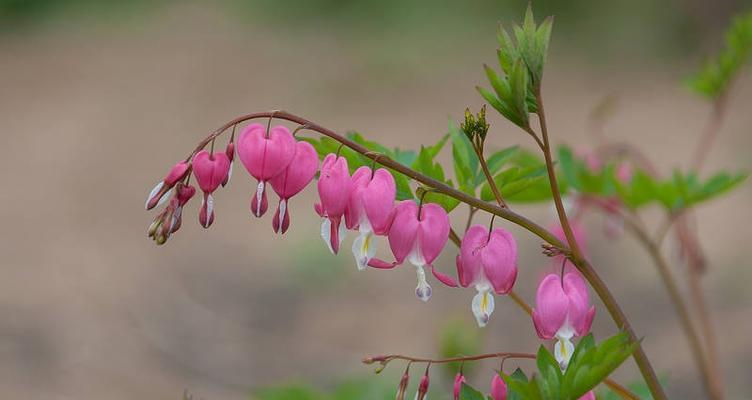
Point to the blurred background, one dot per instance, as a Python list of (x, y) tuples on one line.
[(99, 98)]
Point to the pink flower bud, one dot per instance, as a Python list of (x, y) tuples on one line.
[(369, 210), (498, 388), (264, 156), (298, 174), (230, 152), (459, 379), (403, 385), (488, 261), (176, 173), (422, 387), (334, 188)]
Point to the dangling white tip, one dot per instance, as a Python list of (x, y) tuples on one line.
[(326, 233), (423, 290), (259, 194)]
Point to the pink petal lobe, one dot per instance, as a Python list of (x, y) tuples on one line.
[(378, 200), (551, 306), (499, 259), (334, 186), (433, 232), (404, 229), (210, 169), (473, 242), (298, 174)]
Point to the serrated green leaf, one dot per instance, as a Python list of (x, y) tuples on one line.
[(467, 392)]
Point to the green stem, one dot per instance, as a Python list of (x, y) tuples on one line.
[(646, 369)]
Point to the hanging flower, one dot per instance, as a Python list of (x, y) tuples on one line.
[(210, 171), (562, 311), (369, 210), (487, 261), (298, 174), (334, 188), (264, 155)]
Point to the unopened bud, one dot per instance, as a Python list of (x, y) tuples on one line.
[(422, 388), (403, 384)]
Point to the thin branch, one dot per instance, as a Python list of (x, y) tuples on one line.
[(646, 369), (708, 374), (582, 264), (489, 178)]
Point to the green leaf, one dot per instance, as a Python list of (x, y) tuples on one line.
[(517, 385), (591, 364), (499, 158), (550, 378), (714, 78), (467, 392), (569, 168)]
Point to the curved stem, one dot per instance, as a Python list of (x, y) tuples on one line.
[(583, 265), (388, 358), (489, 178), (646, 369), (708, 374)]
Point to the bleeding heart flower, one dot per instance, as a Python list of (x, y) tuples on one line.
[(418, 234), (498, 388), (334, 188), (292, 180), (487, 260), (562, 310), (264, 156), (210, 171), (369, 210), (157, 194), (459, 379)]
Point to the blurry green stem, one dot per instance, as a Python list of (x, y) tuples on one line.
[(646, 369)]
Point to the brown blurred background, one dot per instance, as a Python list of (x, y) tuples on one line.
[(98, 99)]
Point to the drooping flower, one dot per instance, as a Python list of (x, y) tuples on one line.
[(459, 379), (498, 388), (487, 261), (157, 194), (562, 311), (369, 210), (298, 174), (418, 234), (334, 188), (210, 171), (264, 156), (183, 193)]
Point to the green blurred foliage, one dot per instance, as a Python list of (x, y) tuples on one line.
[(718, 73), (458, 339), (608, 30)]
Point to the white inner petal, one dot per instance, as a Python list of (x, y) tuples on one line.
[(423, 290), (563, 349), (153, 193), (364, 249), (483, 304), (282, 209), (259, 194), (342, 233), (416, 256), (209, 206), (326, 233)]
